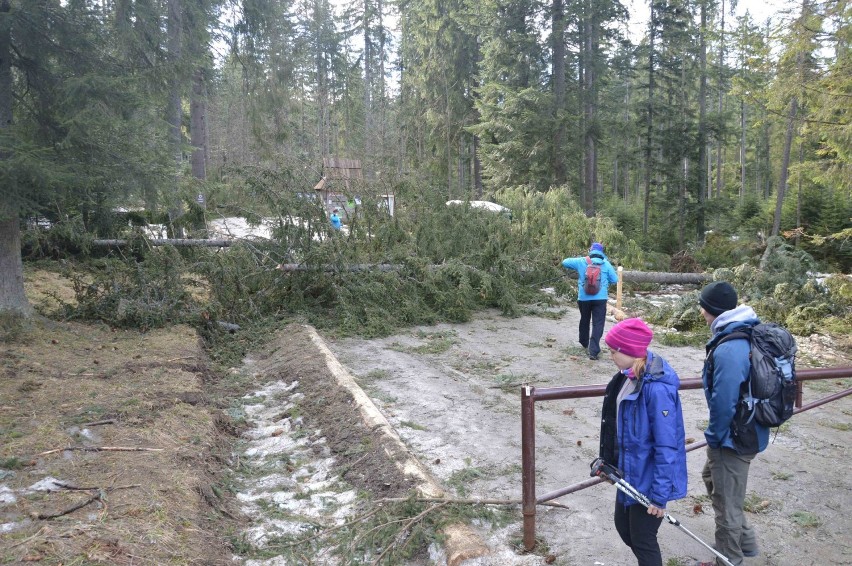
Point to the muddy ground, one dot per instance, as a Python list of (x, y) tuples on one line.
[(453, 394)]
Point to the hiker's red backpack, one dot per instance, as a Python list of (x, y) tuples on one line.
[(592, 282)]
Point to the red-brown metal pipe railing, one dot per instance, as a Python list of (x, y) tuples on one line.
[(529, 395)]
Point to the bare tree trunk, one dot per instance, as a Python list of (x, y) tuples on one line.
[(799, 190), (321, 80), (721, 141), (368, 85), (558, 39), (12, 295), (381, 82), (702, 125), (477, 168), (742, 150), (788, 137), (173, 25), (785, 165), (650, 128), (198, 138), (198, 125), (5, 71), (589, 111)]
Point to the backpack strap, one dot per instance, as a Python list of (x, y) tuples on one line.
[(744, 334)]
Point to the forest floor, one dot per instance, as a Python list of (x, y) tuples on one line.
[(171, 464)]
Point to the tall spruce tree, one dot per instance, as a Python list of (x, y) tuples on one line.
[(70, 138)]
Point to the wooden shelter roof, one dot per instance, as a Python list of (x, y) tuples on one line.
[(339, 169)]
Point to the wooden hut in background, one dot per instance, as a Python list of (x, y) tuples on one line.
[(342, 181)]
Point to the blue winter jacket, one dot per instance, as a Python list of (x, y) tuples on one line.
[(651, 441), (731, 366), (608, 274)]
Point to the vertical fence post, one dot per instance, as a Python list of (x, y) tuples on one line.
[(618, 287), (528, 464)]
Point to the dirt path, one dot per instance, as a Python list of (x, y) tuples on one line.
[(452, 393)]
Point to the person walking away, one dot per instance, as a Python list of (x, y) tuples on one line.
[(335, 219), (642, 433), (732, 443), (591, 299)]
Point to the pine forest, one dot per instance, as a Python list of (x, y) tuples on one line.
[(702, 139)]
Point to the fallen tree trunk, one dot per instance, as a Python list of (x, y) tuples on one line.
[(179, 242), (665, 277), (631, 276)]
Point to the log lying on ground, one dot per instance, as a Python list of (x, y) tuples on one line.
[(631, 276), (384, 267), (179, 242), (665, 277)]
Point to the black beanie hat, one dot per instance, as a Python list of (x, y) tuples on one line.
[(718, 297)]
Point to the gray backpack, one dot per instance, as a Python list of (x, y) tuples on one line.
[(770, 391)]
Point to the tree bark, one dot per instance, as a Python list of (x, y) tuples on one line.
[(590, 165), (12, 295), (720, 143), (742, 149), (5, 69), (477, 168), (174, 112), (702, 123), (177, 242), (650, 128), (198, 125), (785, 165), (368, 86), (558, 40)]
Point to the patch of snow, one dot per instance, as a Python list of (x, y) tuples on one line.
[(47, 485), (482, 204), (7, 496), (9, 527), (299, 480), (236, 227)]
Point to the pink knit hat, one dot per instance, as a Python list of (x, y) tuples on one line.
[(630, 336)]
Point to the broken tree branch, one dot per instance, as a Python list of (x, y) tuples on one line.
[(98, 423), (101, 449), (97, 497), (404, 529), (77, 488), (472, 501)]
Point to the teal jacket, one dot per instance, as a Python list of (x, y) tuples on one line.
[(608, 274)]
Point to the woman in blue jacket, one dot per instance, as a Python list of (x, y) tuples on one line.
[(642, 434), (592, 307)]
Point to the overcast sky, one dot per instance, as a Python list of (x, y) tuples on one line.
[(759, 10)]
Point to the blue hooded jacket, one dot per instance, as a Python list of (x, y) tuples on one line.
[(650, 443), (608, 274), (731, 366)]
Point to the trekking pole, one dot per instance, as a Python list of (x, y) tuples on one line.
[(614, 475)]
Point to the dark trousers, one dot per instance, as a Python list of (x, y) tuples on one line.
[(594, 311), (638, 530)]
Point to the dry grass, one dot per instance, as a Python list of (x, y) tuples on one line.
[(147, 390)]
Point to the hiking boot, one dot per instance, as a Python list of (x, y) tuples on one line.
[(591, 357), (751, 553)]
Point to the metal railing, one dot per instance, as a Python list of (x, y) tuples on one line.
[(529, 395)]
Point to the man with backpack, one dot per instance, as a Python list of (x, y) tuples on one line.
[(733, 439), (596, 274)]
